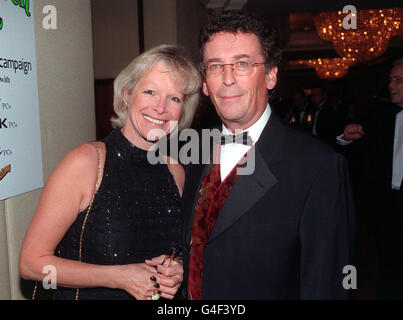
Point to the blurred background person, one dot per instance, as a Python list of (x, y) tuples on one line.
[(384, 137), (326, 122), (302, 109)]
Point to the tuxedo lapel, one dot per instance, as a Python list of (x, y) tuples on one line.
[(248, 189)]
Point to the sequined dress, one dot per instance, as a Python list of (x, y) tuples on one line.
[(135, 216)]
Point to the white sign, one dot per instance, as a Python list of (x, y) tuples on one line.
[(20, 140)]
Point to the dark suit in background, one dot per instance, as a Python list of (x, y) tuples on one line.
[(329, 124), (386, 205)]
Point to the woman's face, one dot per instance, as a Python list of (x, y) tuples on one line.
[(154, 107)]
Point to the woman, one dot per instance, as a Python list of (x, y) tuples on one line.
[(114, 242)]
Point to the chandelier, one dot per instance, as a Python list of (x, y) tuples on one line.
[(369, 40), (330, 69)]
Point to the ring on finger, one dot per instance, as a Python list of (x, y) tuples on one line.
[(155, 295)]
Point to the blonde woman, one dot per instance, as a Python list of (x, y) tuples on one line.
[(115, 243)]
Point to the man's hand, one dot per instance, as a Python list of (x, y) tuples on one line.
[(353, 132)]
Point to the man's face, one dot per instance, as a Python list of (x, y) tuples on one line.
[(396, 85), (239, 100), (317, 96)]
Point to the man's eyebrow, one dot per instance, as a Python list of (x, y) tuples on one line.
[(241, 56), (213, 60), (236, 57)]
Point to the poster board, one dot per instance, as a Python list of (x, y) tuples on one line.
[(20, 140)]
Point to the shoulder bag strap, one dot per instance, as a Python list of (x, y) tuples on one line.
[(84, 222), (88, 211)]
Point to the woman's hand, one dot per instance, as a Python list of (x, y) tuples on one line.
[(137, 280), (170, 274)]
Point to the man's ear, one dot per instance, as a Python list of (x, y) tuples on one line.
[(205, 89), (271, 78)]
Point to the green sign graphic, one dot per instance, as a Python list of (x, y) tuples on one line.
[(24, 4)]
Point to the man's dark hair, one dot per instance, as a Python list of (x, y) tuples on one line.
[(239, 21), (398, 62)]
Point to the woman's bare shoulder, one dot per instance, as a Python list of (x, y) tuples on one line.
[(85, 156), (79, 165), (75, 175)]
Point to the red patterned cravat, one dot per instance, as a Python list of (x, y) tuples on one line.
[(211, 198)]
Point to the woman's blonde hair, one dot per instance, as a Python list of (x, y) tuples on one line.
[(181, 68)]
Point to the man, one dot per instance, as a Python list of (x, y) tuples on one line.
[(384, 137), (301, 110), (284, 231), (326, 121)]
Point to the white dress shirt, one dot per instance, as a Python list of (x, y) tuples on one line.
[(397, 173), (231, 153)]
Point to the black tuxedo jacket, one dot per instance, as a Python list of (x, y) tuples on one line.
[(385, 205), (286, 231), (380, 139)]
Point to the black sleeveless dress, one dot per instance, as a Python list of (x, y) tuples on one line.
[(135, 216)]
